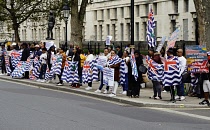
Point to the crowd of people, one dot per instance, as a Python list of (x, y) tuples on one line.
[(167, 70)]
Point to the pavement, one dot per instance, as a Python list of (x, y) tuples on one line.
[(27, 107), (143, 101)]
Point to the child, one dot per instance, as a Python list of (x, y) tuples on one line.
[(43, 59)]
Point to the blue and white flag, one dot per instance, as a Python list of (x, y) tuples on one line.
[(133, 65), (15, 57), (56, 67), (194, 79), (7, 65), (155, 70), (122, 72), (20, 69), (70, 72), (171, 76), (150, 30), (90, 71)]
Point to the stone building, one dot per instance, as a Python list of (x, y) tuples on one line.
[(112, 17)]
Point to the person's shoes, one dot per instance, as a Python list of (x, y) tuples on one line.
[(152, 97), (77, 86), (38, 80), (42, 80), (98, 91), (88, 88), (172, 100), (59, 84), (124, 92), (158, 98), (164, 91), (177, 98), (182, 98), (120, 92), (112, 95), (204, 102), (105, 92)]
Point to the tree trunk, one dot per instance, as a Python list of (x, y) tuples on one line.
[(203, 15), (15, 28), (77, 19)]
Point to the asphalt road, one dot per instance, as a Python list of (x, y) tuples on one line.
[(29, 108)]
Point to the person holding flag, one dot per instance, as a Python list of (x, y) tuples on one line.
[(171, 75), (63, 55)]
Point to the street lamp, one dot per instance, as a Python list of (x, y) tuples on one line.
[(66, 11)]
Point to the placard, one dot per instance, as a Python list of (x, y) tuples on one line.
[(161, 44), (101, 62), (108, 76), (108, 40), (197, 58)]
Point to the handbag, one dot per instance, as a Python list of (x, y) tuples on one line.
[(145, 78), (142, 69)]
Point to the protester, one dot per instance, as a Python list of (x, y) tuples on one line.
[(134, 82), (76, 57), (155, 71), (119, 51), (182, 65), (37, 53), (89, 59), (70, 52), (50, 55), (43, 69), (24, 57), (106, 54), (206, 85), (126, 59), (62, 53), (114, 62), (32, 47), (3, 53), (82, 60), (171, 76)]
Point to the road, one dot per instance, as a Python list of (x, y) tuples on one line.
[(30, 108)]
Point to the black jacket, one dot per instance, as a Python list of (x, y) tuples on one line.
[(25, 54)]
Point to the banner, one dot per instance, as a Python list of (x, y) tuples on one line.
[(20, 69), (108, 40), (101, 62), (108, 76), (197, 58), (172, 40), (161, 44)]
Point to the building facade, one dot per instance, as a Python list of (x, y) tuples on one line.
[(112, 17)]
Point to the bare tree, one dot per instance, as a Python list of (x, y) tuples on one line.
[(18, 11), (203, 15)]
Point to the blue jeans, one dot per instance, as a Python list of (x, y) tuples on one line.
[(43, 71), (102, 84), (180, 90), (125, 86)]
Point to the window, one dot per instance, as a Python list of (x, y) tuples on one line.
[(95, 29), (115, 13), (108, 13), (122, 12), (32, 34), (144, 30), (173, 26), (146, 9), (155, 8), (128, 31), (100, 31), (95, 14), (113, 32), (108, 29), (137, 11), (137, 31), (176, 6), (40, 37), (186, 5), (122, 31), (102, 13)]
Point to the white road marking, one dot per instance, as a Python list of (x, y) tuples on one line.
[(181, 113)]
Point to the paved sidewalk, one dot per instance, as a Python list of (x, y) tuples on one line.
[(143, 101)]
